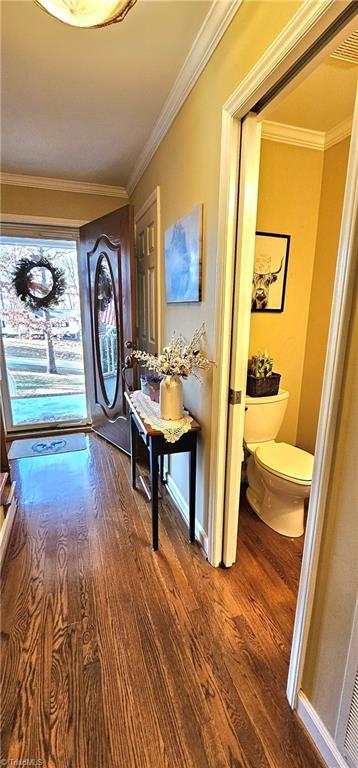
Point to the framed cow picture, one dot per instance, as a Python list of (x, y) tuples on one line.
[(270, 272)]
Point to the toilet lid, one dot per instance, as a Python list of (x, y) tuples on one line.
[(286, 461)]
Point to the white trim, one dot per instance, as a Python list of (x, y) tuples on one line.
[(17, 229), (48, 221), (62, 185), (154, 198), (228, 191), (305, 137), (292, 134), (341, 131), (319, 734), (245, 256), (213, 28), (183, 508), (302, 31)]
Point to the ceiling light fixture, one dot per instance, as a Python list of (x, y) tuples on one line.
[(87, 13)]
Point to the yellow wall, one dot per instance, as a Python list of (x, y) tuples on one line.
[(337, 584), (28, 201), (288, 203), (186, 167), (301, 194), (329, 220)]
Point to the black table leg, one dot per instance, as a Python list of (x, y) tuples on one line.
[(192, 485), (133, 450), (154, 483), (161, 468)]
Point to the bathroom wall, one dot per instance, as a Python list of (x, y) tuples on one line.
[(329, 220), (301, 193), (288, 203)]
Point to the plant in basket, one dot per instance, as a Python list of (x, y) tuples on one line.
[(261, 379)]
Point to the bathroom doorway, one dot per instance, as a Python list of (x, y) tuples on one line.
[(301, 152), (247, 136)]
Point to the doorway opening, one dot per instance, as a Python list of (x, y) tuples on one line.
[(43, 371), (241, 145), (304, 156)]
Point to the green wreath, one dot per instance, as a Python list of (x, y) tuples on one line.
[(22, 285)]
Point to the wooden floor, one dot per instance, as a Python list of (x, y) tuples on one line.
[(114, 656)]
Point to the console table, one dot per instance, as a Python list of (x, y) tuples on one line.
[(158, 447)]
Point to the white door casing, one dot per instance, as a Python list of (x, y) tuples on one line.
[(147, 237), (245, 250)]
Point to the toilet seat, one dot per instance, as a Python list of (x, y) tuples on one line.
[(286, 461)]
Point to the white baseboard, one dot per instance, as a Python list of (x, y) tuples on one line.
[(319, 734), (183, 508)]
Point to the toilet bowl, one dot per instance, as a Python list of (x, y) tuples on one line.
[(279, 475)]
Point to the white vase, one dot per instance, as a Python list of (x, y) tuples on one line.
[(171, 398)]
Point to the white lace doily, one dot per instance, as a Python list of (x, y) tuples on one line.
[(150, 411)]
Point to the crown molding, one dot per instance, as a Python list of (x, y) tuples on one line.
[(290, 134), (207, 39), (338, 133), (62, 185), (48, 221), (303, 137)]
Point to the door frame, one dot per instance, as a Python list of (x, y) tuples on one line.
[(154, 198), (305, 41), (68, 230)]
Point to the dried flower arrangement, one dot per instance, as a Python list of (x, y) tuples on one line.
[(179, 357)]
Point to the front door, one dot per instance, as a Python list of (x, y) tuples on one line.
[(108, 268)]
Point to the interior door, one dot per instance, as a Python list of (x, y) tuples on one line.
[(108, 269), (147, 293), (245, 252)]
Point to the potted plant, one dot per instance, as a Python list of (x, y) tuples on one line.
[(261, 379), (178, 360), (150, 385)]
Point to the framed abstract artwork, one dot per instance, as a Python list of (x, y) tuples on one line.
[(183, 243), (270, 272)]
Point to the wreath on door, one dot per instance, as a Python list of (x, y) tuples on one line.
[(38, 283), (104, 287)]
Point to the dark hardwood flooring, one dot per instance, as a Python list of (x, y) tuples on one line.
[(113, 656)]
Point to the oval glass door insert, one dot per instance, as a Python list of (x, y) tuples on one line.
[(107, 329)]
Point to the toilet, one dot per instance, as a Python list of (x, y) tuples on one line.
[(279, 475)]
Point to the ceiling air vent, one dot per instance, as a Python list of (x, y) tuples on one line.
[(348, 51)]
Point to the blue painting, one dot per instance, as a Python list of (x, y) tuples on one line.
[(183, 247)]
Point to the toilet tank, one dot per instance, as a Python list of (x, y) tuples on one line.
[(264, 416)]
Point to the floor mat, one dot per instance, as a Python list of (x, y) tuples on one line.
[(47, 446)]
